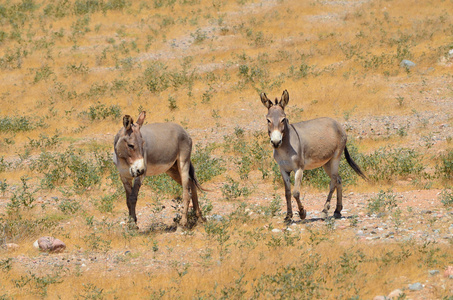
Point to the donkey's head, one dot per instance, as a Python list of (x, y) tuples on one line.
[(276, 117), (130, 145)]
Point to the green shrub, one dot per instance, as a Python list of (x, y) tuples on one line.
[(84, 173), (231, 190), (385, 201), (87, 7), (444, 169), (446, 197), (386, 164), (206, 166), (16, 226), (44, 141), (83, 170), (23, 197), (20, 124), (156, 77), (43, 73), (101, 111), (4, 165), (69, 206), (292, 282)]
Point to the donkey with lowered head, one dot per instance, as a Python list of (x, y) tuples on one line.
[(304, 146), (153, 149)]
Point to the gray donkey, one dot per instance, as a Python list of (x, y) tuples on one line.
[(145, 150), (304, 146)]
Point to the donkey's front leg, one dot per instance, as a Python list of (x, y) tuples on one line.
[(296, 193), (287, 182), (131, 196)]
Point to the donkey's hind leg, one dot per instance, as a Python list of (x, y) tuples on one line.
[(196, 204), (337, 213), (173, 172), (331, 169)]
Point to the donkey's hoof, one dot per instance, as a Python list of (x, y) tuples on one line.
[(288, 220), (303, 214), (324, 215), (337, 215), (132, 226), (202, 219)]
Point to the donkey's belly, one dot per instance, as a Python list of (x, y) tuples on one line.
[(310, 165), (157, 169)]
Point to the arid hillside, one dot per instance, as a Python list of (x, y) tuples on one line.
[(71, 69)]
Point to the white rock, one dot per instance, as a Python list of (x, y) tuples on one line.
[(395, 294)]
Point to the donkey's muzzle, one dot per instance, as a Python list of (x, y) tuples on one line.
[(137, 173), (276, 139), (276, 144), (137, 168)]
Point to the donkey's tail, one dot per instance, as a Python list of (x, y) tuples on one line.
[(353, 165), (194, 178)]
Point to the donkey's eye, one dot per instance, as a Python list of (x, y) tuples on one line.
[(268, 121), (283, 120), (130, 146)]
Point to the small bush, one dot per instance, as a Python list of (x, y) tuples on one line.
[(44, 141), (386, 164), (23, 197), (43, 73), (232, 190), (107, 203), (20, 124), (82, 170), (444, 169), (385, 201), (156, 78), (446, 197), (69, 206), (206, 166), (4, 165), (16, 226), (101, 112), (293, 282)]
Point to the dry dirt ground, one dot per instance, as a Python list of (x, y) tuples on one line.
[(423, 219)]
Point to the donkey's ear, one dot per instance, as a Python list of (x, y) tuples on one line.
[(266, 102), (285, 99), (127, 122), (141, 118)]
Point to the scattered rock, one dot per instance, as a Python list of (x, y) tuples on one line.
[(50, 244), (395, 294), (433, 272), (407, 64), (416, 286), (218, 218), (276, 230)]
